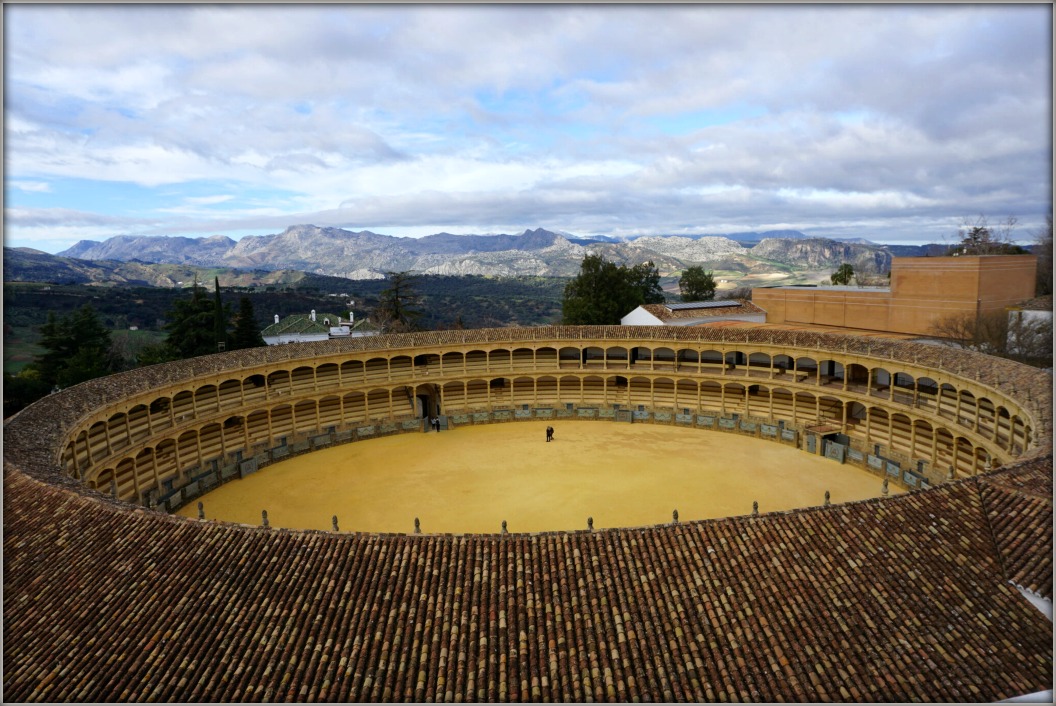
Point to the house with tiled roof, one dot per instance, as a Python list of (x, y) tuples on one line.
[(305, 328), (694, 313)]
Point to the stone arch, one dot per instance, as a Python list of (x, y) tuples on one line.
[(806, 407), (329, 411), (187, 449), (524, 390), (617, 356), (183, 406), (304, 417), (686, 394), (569, 389), (806, 364), (922, 440), (454, 395), (830, 409), (452, 363), (521, 358), (593, 390), (500, 359), (711, 395), (640, 391), (327, 377), (400, 366), (831, 372), (759, 360), (211, 441), (281, 421), (546, 390), (594, 356), (477, 397), (688, 358), (546, 358), (711, 360), (880, 382), (757, 401), (206, 400), (663, 393), (568, 357), (663, 358), (734, 398), (302, 380)]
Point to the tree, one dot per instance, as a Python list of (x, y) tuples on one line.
[(219, 326), (843, 275), (644, 278), (603, 292), (192, 326), (696, 285), (977, 237), (986, 332), (77, 347), (398, 303), (247, 330), (999, 333), (22, 390)]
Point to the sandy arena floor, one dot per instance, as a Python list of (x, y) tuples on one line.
[(470, 479)]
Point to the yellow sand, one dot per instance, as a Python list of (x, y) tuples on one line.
[(472, 478)]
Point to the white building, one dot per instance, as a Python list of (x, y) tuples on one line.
[(303, 328)]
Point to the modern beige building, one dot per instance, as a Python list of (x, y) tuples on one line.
[(923, 290)]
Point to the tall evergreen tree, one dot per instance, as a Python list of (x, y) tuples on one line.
[(398, 303), (247, 330), (219, 326), (191, 326), (76, 348)]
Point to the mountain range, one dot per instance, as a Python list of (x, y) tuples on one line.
[(789, 256)]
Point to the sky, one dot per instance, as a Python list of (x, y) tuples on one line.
[(892, 123)]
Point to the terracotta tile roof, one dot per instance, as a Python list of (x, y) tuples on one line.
[(662, 312), (1018, 504), (900, 599)]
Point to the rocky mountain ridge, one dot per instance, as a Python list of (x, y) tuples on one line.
[(539, 252)]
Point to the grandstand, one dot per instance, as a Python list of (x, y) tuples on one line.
[(916, 597)]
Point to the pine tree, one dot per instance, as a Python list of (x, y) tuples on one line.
[(398, 303), (191, 326), (247, 330), (76, 348)]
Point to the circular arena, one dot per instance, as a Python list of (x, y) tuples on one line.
[(910, 597)]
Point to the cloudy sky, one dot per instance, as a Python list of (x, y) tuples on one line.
[(893, 123)]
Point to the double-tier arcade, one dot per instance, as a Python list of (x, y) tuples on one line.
[(915, 597)]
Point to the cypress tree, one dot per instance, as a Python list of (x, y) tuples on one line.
[(219, 327), (247, 330)]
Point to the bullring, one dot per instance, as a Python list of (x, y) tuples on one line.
[(819, 604)]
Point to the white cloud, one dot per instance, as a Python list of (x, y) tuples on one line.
[(40, 187), (638, 119)]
